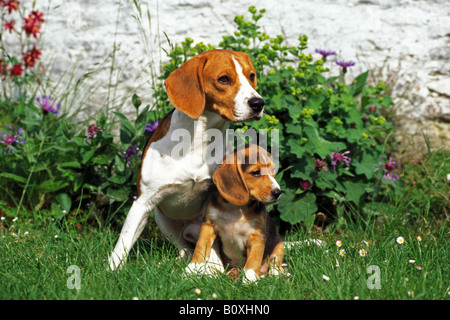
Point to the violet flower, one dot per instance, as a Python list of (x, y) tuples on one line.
[(152, 127), (48, 106), (130, 153), (337, 158), (10, 140), (345, 64), (390, 170), (325, 53)]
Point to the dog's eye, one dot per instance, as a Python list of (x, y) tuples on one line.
[(252, 77), (256, 173), (224, 80)]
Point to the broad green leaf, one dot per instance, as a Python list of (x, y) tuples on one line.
[(359, 83), (298, 208), (365, 166), (317, 144), (64, 200)]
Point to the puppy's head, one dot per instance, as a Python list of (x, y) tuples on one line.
[(220, 81), (250, 177)]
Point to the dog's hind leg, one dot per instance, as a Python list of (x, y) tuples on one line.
[(131, 230)]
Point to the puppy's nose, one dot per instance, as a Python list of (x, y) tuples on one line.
[(256, 104), (276, 193)]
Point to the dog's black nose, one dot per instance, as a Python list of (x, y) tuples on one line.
[(256, 104), (276, 193)]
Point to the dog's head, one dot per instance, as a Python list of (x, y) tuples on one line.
[(220, 81), (250, 177)]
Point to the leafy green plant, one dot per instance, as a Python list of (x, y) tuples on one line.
[(52, 164), (331, 134)]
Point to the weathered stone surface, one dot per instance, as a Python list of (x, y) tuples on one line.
[(410, 39)]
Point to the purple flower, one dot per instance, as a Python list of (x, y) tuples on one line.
[(390, 170), (92, 131), (152, 127), (10, 140), (48, 106), (130, 153), (321, 165), (325, 53), (337, 158), (345, 64)]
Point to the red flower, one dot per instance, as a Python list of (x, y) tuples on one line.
[(17, 70), (9, 26), (37, 16), (305, 184), (11, 5), (30, 57), (33, 23)]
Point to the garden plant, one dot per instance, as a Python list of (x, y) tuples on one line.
[(62, 174)]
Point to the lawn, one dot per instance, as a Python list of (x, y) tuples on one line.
[(384, 260), (66, 184)]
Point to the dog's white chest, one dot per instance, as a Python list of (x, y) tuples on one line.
[(174, 170)]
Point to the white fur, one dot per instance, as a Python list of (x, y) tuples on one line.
[(245, 93), (250, 276), (176, 184), (275, 184)]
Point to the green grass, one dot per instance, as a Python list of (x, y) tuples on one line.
[(34, 266), (34, 260)]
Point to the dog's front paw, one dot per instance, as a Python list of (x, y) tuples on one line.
[(250, 276)]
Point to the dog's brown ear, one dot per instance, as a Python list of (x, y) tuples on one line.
[(230, 183), (185, 87)]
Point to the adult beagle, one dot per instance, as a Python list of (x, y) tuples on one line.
[(207, 91), (237, 218)]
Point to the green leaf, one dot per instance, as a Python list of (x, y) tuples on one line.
[(359, 83), (13, 177), (120, 194), (355, 190), (52, 186), (298, 208), (317, 144), (365, 166), (87, 156), (71, 164), (127, 130), (64, 200), (102, 159), (304, 168)]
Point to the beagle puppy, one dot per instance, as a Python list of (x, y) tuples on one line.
[(207, 91), (237, 218)]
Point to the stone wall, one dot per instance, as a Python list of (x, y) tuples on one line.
[(405, 42)]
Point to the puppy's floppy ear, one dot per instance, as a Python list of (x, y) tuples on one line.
[(185, 87), (228, 180)]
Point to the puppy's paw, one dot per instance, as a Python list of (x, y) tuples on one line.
[(250, 276)]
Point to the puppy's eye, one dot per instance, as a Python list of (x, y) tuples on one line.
[(256, 173), (252, 77), (224, 80)]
